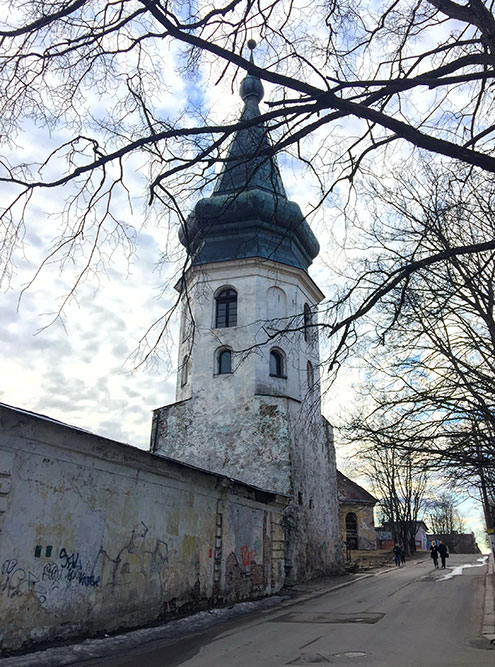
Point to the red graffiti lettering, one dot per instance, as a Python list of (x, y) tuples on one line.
[(247, 557)]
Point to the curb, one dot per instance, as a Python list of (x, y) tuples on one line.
[(488, 625), (101, 648), (322, 591)]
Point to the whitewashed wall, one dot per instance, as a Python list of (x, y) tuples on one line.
[(97, 535), (264, 430)]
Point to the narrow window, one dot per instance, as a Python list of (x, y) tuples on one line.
[(310, 375), (307, 321), (184, 370), (276, 364), (226, 309), (224, 362)]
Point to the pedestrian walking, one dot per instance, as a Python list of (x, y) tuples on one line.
[(434, 553), (396, 550), (402, 556), (444, 553)]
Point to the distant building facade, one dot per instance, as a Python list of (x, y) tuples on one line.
[(356, 514), (457, 543), (386, 535)]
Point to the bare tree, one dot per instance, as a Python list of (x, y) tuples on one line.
[(89, 74), (400, 489), (432, 393), (443, 516)]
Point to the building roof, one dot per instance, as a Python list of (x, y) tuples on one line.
[(350, 492), (248, 213)]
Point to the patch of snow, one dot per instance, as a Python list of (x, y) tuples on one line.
[(459, 569)]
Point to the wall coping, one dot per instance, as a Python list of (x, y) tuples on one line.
[(87, 443)]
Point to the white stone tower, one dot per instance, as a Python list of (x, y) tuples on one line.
[(248, 389)]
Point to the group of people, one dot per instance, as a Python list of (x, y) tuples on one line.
[(399, 555), (439, 549)]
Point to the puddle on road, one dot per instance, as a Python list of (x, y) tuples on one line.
[(459, 569)]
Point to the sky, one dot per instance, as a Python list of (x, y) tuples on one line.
[(81, 367)]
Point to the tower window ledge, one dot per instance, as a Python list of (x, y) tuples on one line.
[(280, 377)]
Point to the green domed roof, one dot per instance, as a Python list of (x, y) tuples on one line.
[(248, 213)]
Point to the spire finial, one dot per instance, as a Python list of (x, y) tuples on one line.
[(251, 86), (251, 45)]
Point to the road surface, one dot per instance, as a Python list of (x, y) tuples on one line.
[(413, 616)]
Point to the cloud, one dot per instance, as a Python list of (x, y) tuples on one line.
[(77, 369)]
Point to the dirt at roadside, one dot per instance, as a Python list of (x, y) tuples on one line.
[(367, 561)]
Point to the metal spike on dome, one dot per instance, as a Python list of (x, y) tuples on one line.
[(251, 45), (251, 86)]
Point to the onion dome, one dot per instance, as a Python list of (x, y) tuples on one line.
[(248, 213)]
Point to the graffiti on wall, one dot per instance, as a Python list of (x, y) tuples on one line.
[(247, 555), (67, 571), (140, 554), (243, 582), (15, 581)]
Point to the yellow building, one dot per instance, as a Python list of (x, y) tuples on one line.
[(356, 516)]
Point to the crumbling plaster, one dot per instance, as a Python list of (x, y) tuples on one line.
[(266, 431), (97, 535)]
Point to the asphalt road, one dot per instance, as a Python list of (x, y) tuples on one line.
[(414, 616)]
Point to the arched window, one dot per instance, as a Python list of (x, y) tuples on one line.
[(224, 362), (184, 371), (276, 303), (310, 375), (307, 321), (277, 364), (351, 532), (226, 309)]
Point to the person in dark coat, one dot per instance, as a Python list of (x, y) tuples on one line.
[(444, 553), (397, 551), (434, 553)]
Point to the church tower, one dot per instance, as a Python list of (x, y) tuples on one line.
[(248, 387)]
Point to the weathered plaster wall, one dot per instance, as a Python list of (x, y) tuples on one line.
[(250, 445), (270, 297), (278, 444), (312, 536), (366, 534), (264, 430), (96, 535)]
